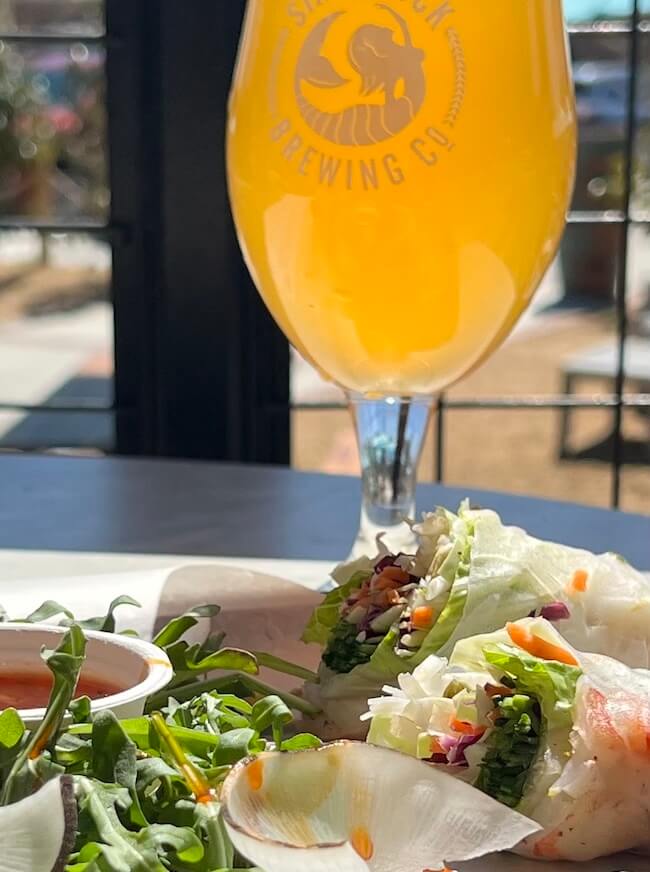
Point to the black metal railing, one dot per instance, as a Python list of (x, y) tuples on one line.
[(619, 400)]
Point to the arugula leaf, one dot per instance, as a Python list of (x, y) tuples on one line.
[(237, 744), (279, 665), (151, 772), (80, 709), (115, 848), (187, 661), (301, 742), (49, 609), (208, 822), (12, 739), (114, 753), (106, 623), (74, 753), (271, 712), (210, 712), (139, 731), (177, 628)]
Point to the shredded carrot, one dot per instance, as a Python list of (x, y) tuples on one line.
[(396, 574), (465, 728), (522, 637), (362, 843), (422, 618), (493, 690), (436, 747), (380, 598), (255, 774), (385, 583), (578, 583)]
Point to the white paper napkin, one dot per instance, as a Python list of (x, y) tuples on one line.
[(258, 611), (89, 595)]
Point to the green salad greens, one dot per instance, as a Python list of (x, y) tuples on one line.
[(344, 650), (511, 748), (544, 693), (147, 789)]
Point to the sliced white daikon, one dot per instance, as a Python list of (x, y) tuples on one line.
[(37, 834), (352, 807)]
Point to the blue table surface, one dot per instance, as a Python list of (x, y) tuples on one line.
[(208, 509)]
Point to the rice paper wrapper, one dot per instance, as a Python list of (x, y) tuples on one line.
[(601, 802), (512, 574), (589, 784)]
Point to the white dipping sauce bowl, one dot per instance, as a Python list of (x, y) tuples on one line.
[(139, 667)]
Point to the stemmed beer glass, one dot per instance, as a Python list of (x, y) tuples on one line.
[(399, 173)]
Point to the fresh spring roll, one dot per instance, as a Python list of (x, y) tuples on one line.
[(384, 618), (561, 736), (471, 574)]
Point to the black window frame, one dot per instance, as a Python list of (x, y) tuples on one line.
[(201, 369)]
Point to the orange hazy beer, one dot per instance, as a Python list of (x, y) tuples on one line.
[(400, 173)]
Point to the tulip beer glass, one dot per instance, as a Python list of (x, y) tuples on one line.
[(399, 173)]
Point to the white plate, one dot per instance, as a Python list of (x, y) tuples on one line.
[(259, 611), (511, 863)]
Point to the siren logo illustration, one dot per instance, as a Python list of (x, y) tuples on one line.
[(382, 64), (357, 96)]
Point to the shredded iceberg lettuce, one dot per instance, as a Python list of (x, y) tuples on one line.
[(552, 683)]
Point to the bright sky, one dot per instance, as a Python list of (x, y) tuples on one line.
[(585, 10)]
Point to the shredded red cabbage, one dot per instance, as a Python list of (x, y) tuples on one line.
[(454, 748), (388, 560), (556, 612)]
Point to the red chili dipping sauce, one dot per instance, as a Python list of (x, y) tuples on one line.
[(28, 690)]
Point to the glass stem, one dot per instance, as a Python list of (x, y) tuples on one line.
[(391, 435)]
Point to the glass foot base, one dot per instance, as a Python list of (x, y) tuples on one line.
[(399, 539)]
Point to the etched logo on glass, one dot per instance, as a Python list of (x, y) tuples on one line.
[(363, 96), (388, 68)]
